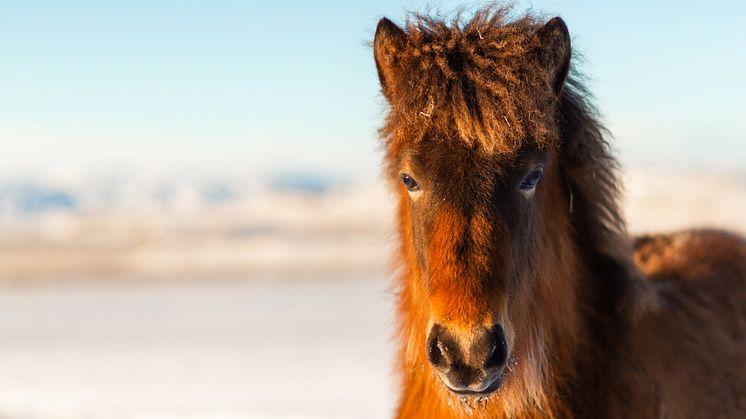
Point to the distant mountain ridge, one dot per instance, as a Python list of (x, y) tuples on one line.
[(149, 193)]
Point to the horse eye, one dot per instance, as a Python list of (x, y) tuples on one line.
[(409, 182), (529, 182)]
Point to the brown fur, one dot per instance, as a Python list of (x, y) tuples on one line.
[(596, 327)]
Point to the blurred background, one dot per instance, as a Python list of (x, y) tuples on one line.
[(192, 220)]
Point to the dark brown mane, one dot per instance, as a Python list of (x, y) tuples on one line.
[(476, 81), (591, 175)]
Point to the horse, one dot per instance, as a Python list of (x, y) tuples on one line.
[(519, 292)]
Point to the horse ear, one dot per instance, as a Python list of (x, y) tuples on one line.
[(555, 51), (389, 40)]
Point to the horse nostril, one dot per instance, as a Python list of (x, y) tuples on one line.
[(499, 352), (435, 354), (435, 348), (496, 358)]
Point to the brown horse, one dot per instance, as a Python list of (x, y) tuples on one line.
[(521, 294)]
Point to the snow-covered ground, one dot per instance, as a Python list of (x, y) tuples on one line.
[(200, 349)]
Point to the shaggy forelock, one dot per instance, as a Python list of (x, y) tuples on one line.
[(479, 81)]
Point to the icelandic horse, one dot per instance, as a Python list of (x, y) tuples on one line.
[(520, 294)]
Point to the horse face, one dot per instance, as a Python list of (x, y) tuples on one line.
[(470, 114), (474, 219)]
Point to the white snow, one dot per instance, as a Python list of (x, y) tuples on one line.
[(197, 349)]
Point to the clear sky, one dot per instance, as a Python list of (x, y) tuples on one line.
[(290, 84)]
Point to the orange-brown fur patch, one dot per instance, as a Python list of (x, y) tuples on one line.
[(457, 292)]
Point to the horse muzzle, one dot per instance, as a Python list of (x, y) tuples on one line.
[(472, 364)]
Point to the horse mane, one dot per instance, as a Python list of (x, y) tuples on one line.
[(478, 81), (591, 174)]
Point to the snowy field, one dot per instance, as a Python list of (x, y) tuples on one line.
[(197, 349)]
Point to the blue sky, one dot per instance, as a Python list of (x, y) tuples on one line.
[(291, 85)]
